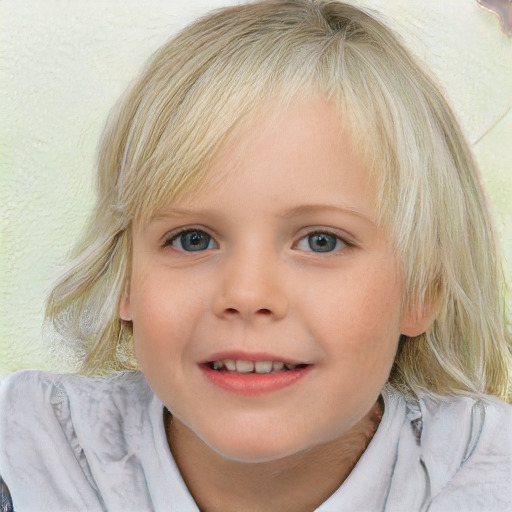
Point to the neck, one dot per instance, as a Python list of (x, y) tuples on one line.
[(299, 483)]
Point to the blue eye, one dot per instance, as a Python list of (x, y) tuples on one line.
[(320, 242), (192, 240)]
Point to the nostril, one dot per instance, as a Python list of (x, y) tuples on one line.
[(233, 312)]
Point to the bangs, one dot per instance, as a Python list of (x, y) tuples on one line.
[(186, 109)]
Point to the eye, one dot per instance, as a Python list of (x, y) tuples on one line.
[(321, 242), (191, 240)]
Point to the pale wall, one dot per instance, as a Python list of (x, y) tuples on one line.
[(63, 63)]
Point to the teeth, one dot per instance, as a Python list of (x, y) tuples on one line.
[(277, 366), (263, 366), (230, 365), (244, 366)]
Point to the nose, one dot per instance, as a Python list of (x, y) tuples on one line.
[(250, 288)]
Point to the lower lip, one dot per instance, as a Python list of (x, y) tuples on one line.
[(253, 383)]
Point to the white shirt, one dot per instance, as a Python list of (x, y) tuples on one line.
[(73, 443)]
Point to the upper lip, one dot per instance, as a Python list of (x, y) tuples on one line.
[(250, 356)]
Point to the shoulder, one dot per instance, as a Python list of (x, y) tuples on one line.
[(467, 450), (33, 398), (468, 424), (32, 393), (33, 388), (25, 396), (52, 424)]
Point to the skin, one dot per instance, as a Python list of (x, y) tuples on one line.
[(258, 287)]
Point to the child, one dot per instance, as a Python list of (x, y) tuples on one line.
[(288, 297)]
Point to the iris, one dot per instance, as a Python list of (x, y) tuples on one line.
[(322, 242)]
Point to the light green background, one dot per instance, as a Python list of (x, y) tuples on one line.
[(63, 64)]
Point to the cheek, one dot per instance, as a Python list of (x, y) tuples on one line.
[(359, 316), (155, 318), (167, 308), (158, 299)]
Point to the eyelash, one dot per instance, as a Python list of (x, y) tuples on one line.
[(340, 243), (307, 238), (172, 237)]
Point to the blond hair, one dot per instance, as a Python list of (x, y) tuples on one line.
[(218, 73)]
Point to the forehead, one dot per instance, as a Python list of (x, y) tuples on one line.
[(286, 157)]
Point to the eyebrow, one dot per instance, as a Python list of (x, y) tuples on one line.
[(296, 211), (178, 212), (306, 209)]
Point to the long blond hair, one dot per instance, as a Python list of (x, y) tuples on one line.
[(217, 73)]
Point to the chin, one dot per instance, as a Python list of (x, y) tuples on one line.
[(247, 455), (255, 449)]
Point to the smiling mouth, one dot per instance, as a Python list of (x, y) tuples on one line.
[(240, 366)]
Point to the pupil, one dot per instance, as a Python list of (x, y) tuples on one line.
[(322, 242), (195, 241)]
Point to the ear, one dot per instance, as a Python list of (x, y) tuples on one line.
[(418, 318), (125, 306)]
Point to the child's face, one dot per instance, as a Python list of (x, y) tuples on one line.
[(279, 261)]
